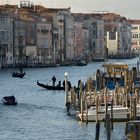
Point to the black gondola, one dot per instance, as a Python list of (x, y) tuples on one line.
[(9, 100), (50, 87), (18, 74)]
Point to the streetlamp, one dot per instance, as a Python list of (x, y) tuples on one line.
[(66, 87)]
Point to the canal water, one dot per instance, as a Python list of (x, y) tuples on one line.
[(41, 114)]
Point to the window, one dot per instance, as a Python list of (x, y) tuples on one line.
[(134, 27), (10, 57), (134, 43), (94, 32), (3, 36), (134, 35), (2, 20), (101, 43), (94, 44), (112, 35), (100, 33)]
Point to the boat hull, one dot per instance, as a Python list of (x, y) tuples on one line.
[(16, 74), (8, 101), (50, 87), (120, 114)]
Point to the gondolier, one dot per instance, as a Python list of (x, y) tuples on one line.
[(54, 80)]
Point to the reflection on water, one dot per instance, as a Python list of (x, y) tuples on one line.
[(40, 114)]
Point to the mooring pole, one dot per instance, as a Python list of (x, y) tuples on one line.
[(66, 87)]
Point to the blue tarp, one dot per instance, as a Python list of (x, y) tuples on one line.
[(110, 85)]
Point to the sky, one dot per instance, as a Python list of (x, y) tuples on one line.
[(128, 8)]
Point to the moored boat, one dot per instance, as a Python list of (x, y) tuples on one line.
[(80, 63), (18, 74), (9, 100), (115, 72), (119, 114)]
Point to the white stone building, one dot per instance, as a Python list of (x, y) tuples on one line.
[(118, 39)]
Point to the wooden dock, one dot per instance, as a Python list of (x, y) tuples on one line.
[(121, 101)]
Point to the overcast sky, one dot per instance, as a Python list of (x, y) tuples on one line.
[(127, 8)]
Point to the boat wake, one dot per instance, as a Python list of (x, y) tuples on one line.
[(42, 107)]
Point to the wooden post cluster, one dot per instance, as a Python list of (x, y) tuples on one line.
[(87, 97)]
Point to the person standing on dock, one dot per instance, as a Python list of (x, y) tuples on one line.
[(68, 84), (68, 104), (54, 80)]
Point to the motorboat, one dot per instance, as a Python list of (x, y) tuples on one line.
[(9, 100), (119, 113)]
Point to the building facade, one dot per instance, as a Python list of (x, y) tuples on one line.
[(135, 35), (44, 42), (19, 42), (6, 41), (118, 39), (96, 39), (78, 40)]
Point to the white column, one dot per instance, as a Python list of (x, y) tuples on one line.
[(66, 87)]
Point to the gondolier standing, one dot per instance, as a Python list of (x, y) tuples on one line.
[(54, 80)]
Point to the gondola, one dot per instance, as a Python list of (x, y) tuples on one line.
[(9, 100), (50, 87), (18, 74)]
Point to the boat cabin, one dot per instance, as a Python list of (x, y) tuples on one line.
[(115, 69), (114, 73)]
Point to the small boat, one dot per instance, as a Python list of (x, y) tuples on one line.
[(18, 74), (50, 87), (9, 100), (80, 63), (119, 113)]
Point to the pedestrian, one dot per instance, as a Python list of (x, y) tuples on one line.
[(68, 85), (79, 82), (68, 104)]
